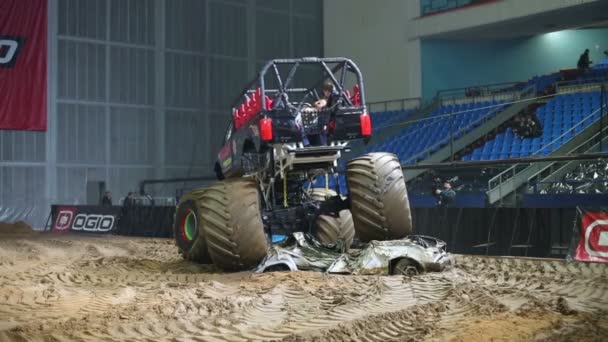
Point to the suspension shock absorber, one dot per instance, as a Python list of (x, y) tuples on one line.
[(285, 191)]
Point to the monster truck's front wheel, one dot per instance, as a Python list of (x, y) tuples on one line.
[(378, 197), (187, 228), (232, 221)]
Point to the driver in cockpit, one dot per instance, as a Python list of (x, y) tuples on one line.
[(327, 100), (329, 97)]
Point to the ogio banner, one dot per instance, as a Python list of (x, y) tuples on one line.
[(23, 62), (91, 219), (591, 231)]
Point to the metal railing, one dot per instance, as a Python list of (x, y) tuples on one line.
[(394, 105), (539, 187), (432, 7), (511, 172), (589, 84), (496, 91)]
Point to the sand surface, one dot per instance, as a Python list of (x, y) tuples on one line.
[(57, 287)]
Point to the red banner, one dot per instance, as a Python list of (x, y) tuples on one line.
[(23, 49), (593, 238)]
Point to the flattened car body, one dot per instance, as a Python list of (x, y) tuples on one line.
[(303, 252)]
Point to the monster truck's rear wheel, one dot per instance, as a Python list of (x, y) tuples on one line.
[(321, 194), (330, 229), (378, 197), (187, 228), (232, 221)]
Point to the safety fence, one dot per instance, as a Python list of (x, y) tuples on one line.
[(145, 221), (534, 232)]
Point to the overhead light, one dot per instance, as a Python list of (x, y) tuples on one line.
[(553, 35)]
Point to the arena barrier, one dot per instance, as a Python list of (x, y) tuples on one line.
[(580, 234), (534, 232), (145, 221)]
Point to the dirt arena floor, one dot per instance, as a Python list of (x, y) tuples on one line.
[(93, 288)]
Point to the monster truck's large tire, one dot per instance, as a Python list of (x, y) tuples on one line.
[(378, 197), (330, 229), (187, 228), (218, 171), (232, 221)]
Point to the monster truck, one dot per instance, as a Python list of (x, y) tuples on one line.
[(276, 147)]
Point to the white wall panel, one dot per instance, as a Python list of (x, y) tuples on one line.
[(83, 18), (123, 180), (132, 136), (374, 35), (111, 118), (185, 24), (270, 41), (22, 146), (185, 80), (227, 79), (80, 133), (81, 70), (186, 138), (228, 32), (132, 75), (132, 21)]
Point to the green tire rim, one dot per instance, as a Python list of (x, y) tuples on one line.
[(188, 225)]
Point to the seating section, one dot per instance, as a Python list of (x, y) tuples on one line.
[(424, 134), (603, 64), (593, 75), (383, 119), (559, 119), (541, 82), (544, 81)]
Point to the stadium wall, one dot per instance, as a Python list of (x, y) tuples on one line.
[(486, 14), (374, 35), (450, 64), (141, 89)]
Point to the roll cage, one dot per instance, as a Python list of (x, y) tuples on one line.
[(258, 98)]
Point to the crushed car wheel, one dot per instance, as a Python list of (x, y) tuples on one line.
[(232, 222), (405, 267), (187, 228), (330, 229), (378, 197)]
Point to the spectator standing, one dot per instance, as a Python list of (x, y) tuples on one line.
[(127, 215), (129, 200), (106, 200), (436, 189), (447, 195), (583, 61)]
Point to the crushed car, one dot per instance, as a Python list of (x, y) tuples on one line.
[(409, 256)]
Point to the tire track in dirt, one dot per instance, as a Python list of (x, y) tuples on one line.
[(91, 289), (583, 285)]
